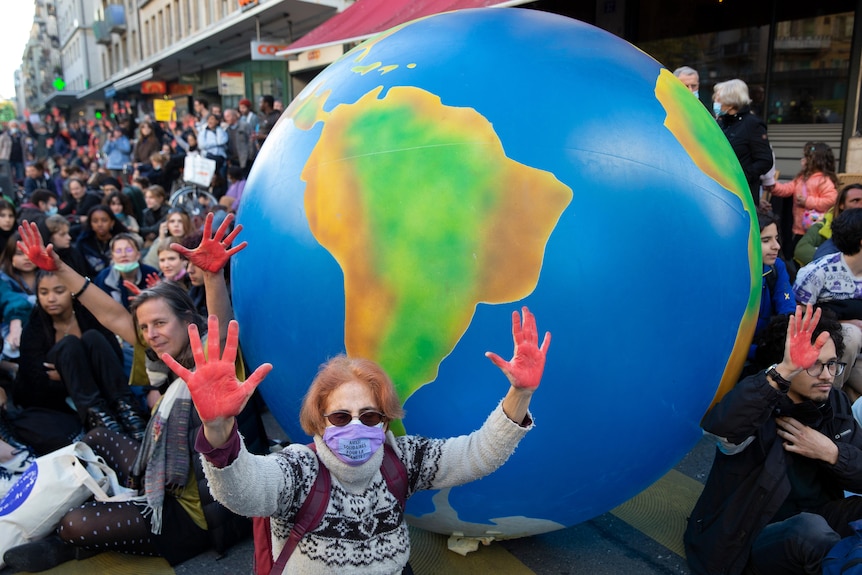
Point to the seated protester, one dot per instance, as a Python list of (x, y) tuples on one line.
[(835, 281), (66, 352), (121, 205), (181, 519), (8, 221), (176, 226), (95, 240), (17, 271), (817, 241), (135, 193), (236, 185), (40, 204), (154, 171), (351, 402), (109, 185), (36, 178), (777, 295), (76, 204), (55, 230), (787, 449), (154, 214), (173, 265), (125, 266)]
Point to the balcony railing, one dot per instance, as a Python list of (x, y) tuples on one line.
[(115, 18)]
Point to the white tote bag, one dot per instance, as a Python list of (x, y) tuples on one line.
[(54, 484)]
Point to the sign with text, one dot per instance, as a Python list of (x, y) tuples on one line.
[(153, 87), (164, 110), (267, 51), (231, 83), (181, 89)]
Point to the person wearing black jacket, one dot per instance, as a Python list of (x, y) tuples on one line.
[(788, 447), (745, 132), (66, 352)]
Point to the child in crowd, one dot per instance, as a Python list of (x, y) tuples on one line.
[(813, 189)]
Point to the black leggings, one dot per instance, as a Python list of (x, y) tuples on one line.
[(110, 526), (120, 526)]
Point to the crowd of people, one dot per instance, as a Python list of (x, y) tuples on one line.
[(105, 288), (785, 481)]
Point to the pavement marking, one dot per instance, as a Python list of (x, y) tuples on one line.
[(429, 555), (113, 563), (662, 509)]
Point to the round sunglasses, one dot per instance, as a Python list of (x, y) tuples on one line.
[(342, 418)]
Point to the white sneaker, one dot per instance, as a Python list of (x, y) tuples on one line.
[(20, 462)]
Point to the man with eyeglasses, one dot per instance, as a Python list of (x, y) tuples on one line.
[(835, 282), (787, 448)]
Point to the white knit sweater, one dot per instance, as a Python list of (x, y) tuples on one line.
[(363, 529)]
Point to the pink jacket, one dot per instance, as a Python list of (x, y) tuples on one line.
[(818, 191)]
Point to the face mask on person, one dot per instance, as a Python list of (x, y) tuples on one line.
[(127, 267), (696, 94), (52, 211), (354, 443), (716, 108)]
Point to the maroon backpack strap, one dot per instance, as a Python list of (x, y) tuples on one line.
[(395, 474), (309, 515)]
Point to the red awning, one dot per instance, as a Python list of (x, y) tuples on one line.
[(364, 18)]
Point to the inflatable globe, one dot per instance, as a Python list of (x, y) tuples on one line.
[(451, 170)]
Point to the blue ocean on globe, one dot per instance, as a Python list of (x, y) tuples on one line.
[(451, 170)]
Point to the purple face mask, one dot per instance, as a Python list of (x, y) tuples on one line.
[(354, 443)]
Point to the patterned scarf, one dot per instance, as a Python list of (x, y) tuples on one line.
[(164, 458)]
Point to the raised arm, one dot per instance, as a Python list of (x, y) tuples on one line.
[(211, 256), (217, 394), (110, 313), (524, 370)]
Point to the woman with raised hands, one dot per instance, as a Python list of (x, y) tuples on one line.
[(348, 410), (177, 518)]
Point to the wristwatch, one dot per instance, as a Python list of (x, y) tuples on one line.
[(783, 384)]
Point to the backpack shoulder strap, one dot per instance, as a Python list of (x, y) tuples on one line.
[(309, 515), (395, 474)]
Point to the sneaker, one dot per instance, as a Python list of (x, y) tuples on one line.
[(131, 420), (39, 555), (20, 462), (99, 416)]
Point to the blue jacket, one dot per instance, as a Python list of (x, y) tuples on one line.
[(773, 302), (118, 153)]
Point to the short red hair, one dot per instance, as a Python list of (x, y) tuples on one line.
[(342, 369)]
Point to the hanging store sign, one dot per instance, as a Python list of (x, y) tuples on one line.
[(154, 87), (267, 51), (181, 89), (231, 83)]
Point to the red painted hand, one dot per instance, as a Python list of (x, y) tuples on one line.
[(525, 369), (153, 279), (800, 328), (31, 244), (132, 288), (214, 252), (215, 390)]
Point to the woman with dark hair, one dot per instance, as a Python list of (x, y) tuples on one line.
[(17, 270), (813, 188), (146, 145), (95, 241), (66, 352), (179, 518), (817, 241), (8, 221), (777, 293), (121, 205)]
